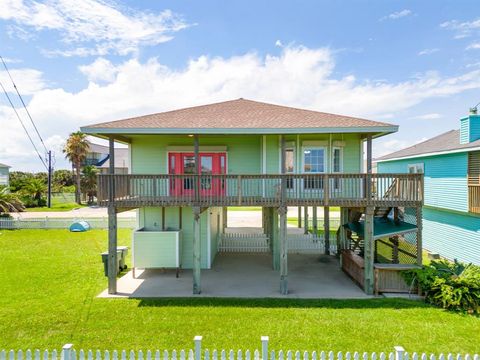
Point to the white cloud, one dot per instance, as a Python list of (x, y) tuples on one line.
[(103, 26), (462, 29), (100, 70), (428, 51), (299, 76), (278, 43), (397, 15), (473, 46), (28, 81), (431, 116)]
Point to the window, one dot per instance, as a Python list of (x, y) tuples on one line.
[(415, 168), (314, 160), (313, 163), (289, 165), (337, 165)]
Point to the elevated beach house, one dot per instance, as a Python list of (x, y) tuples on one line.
[(187, 166), (451, 164)]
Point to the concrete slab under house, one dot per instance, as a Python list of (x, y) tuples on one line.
[(188, 166)]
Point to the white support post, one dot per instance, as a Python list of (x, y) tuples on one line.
[(198, 347), (399, 352), (197, 289), (66, 351), (264, 347)]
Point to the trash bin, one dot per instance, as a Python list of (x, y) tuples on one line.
[(123, 256), (105, 261)]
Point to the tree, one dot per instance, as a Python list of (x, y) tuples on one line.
[(89, 182), (9, 201), (61, 179), (75, 150), (35, 188), (18, 179)]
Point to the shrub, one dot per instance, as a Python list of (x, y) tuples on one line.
[(450, 285)]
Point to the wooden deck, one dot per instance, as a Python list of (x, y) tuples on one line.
[(347, 190)]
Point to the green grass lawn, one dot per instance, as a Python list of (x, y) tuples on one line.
[(50, 278)]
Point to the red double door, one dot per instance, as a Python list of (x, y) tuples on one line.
[(210, 164)]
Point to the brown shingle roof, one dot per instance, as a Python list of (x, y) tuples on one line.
[(448, 141), (239, 114)]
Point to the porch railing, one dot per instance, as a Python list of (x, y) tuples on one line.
[(263, 190), (474, 194)]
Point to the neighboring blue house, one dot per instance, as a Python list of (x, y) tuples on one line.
[(451, 164), (4, 175)]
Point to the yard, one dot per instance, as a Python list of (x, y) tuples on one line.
[(50, 279)]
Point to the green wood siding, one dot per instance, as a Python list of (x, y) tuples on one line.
[(445, 179), (452, 235)]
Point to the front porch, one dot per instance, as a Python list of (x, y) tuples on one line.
[(246, 276)]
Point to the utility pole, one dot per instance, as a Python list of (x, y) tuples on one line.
[(49, 195)]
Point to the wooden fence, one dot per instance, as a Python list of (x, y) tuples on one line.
[(197, 353), (62, 223)]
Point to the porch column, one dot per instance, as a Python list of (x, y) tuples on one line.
[(224, 218), (369, 251), (283, 251), (314, 220), (419, 235), (326, 228), (275, 240), (369, 168), (299, 217), (305, 219), (112, 223), (342, 233), (196, 250), (197, 168)]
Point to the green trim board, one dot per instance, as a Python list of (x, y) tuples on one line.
[(383, 228), (376, 131)]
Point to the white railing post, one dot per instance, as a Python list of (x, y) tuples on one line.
[(66, 351), (264, 347), (198, 347), (399, 352)]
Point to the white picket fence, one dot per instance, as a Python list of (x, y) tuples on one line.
[(309, 243), (244, 242), (260, 243), (62, 223), (69, 353)]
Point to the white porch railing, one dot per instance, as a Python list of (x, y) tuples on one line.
[(244, 242), (197, 353)]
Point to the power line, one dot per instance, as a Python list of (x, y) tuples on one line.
[(23, 103), (23, 125)]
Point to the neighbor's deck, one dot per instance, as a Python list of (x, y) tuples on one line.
[(348, 190)]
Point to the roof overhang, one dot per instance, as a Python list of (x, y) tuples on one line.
[(118, 132), (435, 153)]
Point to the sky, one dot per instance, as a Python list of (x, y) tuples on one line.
[(77, 62)]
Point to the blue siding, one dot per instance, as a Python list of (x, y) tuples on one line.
[(469, 129), (445, 179), (474, 127), (454, 236)]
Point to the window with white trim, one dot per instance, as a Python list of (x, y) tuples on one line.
[(290, 165), (313, 163)]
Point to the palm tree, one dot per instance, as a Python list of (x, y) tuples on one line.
[(9, 201), (35, 188), (89, 182), (75, 150)]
